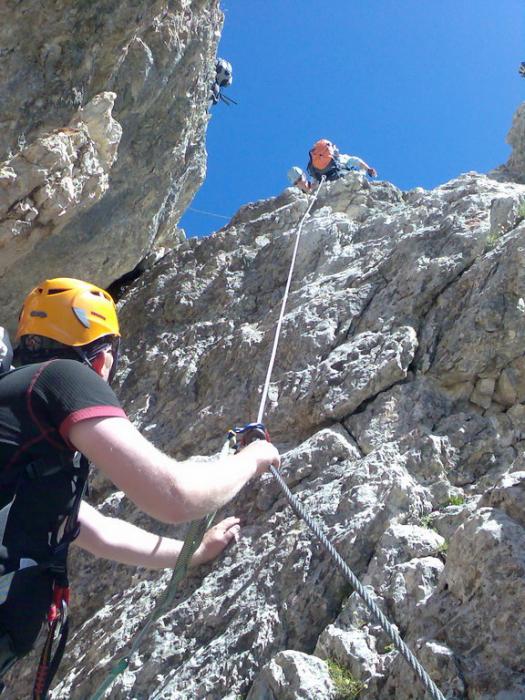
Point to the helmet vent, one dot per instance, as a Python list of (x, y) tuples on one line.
[(68, 311), (81, 316)]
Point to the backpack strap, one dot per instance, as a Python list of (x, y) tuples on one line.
[(56, 564), (333, 171), (71, 528)]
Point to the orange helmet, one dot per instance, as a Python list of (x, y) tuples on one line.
[(322, 153), (70, 311)]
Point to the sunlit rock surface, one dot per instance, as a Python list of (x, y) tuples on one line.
[(514, 169), (52, 180), (397, 401), (158, 59), (397, 398)]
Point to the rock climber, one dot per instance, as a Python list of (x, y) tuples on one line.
[(325, 160), (223, 79), (57, 411)]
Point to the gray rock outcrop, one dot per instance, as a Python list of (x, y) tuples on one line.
[(55, 57), (52, 180), (397, 400), (514, 169), (291, 675)]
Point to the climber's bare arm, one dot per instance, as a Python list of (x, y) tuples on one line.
[(118, 540), (304, 185), (168, 490)]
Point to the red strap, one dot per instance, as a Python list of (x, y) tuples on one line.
[(60, 597), (57, 619), (40, 680)]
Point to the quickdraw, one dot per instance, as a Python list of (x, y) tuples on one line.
[(239, 437), (58, 627)]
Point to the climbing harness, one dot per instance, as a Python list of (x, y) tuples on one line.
[(196, 531), (300, 511)]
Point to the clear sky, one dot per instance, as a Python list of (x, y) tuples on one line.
[(422, 90)]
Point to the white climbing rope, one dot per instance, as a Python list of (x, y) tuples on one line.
[(283, 306), (198, 528), (429, 685)]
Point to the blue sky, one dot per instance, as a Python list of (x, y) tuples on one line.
[(421, 90)]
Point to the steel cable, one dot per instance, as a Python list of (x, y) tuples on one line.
[(343, 567), (296, 506)]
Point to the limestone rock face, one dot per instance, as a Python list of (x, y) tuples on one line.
[(52, 180), (291, 675), (397, 401), (157, 58), (514, 169)]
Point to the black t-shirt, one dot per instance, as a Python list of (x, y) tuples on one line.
[(38, 406)]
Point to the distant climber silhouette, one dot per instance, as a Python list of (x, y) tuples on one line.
[(223, 79)]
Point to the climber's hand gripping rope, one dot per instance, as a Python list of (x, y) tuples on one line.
[(240, 437)]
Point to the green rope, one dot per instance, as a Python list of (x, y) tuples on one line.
[(117, 669), (192, 540)]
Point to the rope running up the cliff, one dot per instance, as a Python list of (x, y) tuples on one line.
[(299, 510), (283, 305), (198, 528), (209, 213)]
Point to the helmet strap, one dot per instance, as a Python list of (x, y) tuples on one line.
[(97, 362), (95, 359)]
